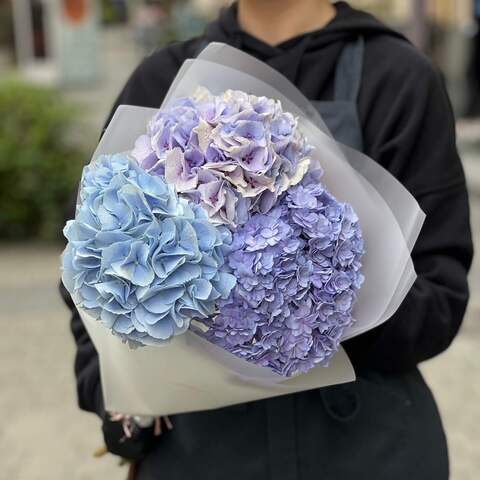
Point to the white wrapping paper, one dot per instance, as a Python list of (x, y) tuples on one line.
[(189, 374)]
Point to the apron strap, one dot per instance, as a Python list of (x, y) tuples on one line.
[(348, 74)]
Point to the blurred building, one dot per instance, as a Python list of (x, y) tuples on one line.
[(59, 42), (56, 40)]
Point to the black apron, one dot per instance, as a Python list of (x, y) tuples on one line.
[(380, 427)]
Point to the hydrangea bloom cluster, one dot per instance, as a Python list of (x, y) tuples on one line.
[(140, 259), (233, 153), (298, 270)]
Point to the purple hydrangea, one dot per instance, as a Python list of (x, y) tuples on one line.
[(298, 271), (233, 153)]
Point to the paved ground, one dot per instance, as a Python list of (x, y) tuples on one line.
[(45, 437)]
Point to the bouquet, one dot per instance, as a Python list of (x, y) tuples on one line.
[(224, 252)]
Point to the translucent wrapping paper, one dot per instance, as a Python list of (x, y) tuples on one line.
[(189, 374)]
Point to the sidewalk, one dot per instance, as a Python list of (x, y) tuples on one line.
[(468, 140), (471, 164)]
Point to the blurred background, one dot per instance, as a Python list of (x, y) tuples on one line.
[(62, 63)]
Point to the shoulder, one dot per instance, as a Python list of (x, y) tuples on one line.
[(406, 115), (399, 83), (396, 63), (168, 59)]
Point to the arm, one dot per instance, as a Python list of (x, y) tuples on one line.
[(416, 142), (86, 368), (89, 393)]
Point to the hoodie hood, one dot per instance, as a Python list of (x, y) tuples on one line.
[(290, 57)]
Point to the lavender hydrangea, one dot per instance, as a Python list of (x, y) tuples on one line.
[(233, 153), (139, 259), (298, 271)]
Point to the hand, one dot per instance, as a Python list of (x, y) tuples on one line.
[(132, 447)]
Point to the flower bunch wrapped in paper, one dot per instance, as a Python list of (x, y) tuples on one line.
[(230, 245)]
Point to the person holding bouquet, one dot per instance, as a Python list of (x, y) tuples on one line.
[(379, 95)]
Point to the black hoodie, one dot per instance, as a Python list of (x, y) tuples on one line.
[(408, 127)]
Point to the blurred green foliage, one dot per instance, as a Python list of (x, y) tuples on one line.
[(40, 164), (113, 12)]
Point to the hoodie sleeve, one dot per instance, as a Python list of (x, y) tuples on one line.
[(409, 129), (86, 368)]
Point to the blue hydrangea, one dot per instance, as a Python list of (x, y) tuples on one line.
[(298, 271), (141, 260)]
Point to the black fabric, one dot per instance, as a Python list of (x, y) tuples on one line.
[(385, 425), (382, 427)]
